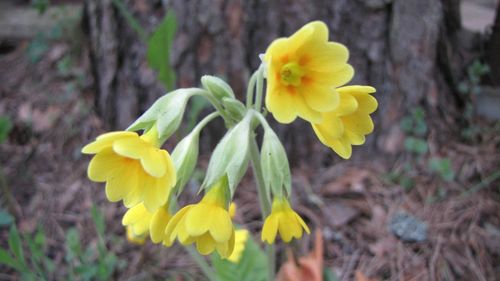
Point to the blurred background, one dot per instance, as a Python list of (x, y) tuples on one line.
[(419, 201)]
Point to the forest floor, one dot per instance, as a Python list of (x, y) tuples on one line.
[(406, 217)]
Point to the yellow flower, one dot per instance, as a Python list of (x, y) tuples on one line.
[(141, 222), (349, 123), (285, 220), (135, 239), (134, 168), (232, 209), (240, 239), (208, 223), (303, 72)]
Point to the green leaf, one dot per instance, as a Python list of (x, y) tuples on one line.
[(442, 166), (415, 145), (73, 246), (40, 5), (5, 218), (8, 260), (5, 127), (37, 48), (15, 245), (329, 275), (406, 124), (251, 267), (158, 52), (98, 219)]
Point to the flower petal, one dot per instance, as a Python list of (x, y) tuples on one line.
[(106, 140), (155, 192), (320, 98), (103, 165), (281, 104), (358, 123), (205, 244), (200, 219), (222, 227), (158, 225), (270, 229)]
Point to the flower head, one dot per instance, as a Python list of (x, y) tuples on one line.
[(134, 168), (303, 71), (283, 220), (350, 122), (141, 222), (240, 240), (208, 223)]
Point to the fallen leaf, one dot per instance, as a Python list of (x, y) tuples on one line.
[(308, 268), (359, 276)]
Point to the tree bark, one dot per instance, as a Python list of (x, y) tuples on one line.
[(412, 51)]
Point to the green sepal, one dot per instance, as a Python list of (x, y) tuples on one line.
[(185, 156), (231, 156), (234, 107), (274, 163), (166, 112), (217, 87)]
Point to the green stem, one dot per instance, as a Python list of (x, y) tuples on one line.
[(265, 204), (215, 103), (205, 121), (209, 273), (260, 83), (251, 89)]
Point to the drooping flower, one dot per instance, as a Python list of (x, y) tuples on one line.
[(141, 222), (134, 168), (240, 240), (350, 122), (303, 71), (283, 220), (208, 223)]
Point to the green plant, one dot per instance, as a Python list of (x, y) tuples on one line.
[(159, 43), (5, 127), (40, 5), (470, 87), (252, 266), (82, 262), (442, 167)]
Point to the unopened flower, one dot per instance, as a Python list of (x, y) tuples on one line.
[(303, 71), (141, 222), (283, 220), (134, 168), (208, 223), (350, 122), (240, 240)]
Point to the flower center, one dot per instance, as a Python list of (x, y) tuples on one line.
[(291, 74)]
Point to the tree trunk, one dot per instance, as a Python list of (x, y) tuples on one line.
[(412, 51)]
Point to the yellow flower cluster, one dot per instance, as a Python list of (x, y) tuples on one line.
[(305, 73)]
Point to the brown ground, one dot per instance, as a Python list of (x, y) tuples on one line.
[(53, 115)]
